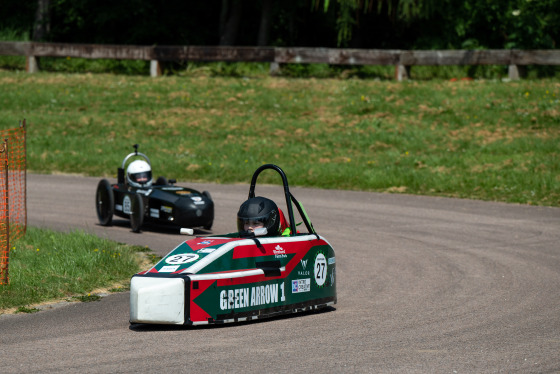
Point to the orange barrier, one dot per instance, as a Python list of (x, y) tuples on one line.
[(13, 191)]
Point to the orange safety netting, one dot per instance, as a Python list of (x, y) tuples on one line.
[(13, 189)]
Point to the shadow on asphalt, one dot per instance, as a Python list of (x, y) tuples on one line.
[(140, 327)]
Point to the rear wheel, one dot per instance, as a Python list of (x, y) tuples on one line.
[(137, 214), (208, 226), (104, 202)]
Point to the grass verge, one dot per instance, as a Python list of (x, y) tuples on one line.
[(484, 139), (46, 265)]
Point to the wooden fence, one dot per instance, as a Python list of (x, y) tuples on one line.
[(401, 59)]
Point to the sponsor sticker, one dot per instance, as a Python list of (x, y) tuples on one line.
[(168, 269), (207, 250), (331, 260), (166, 209), (197, 244), (279, 250), (303, 266), (154, 213), (301, 285)]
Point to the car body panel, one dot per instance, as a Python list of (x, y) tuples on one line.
[(235, 279), (167, 205), (159, 201), (239, 276)]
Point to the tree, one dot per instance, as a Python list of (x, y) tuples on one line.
[(397, 10), (230, 18), (41, 27), (265, 23)]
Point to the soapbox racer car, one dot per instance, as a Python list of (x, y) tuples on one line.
[(230, 278), (161, 202)]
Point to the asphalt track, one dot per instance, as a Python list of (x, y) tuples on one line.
[(426, 285)]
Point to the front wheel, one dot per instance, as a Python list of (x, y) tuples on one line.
[(208, 226), (137, 213), (105, 202)]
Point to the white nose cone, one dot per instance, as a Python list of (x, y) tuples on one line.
[(157, 300)]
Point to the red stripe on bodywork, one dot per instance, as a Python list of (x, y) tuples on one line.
[(246, 251)]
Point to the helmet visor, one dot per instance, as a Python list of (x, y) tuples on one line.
[(142, 178)]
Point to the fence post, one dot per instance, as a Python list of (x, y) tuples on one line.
[(155, 68), (402, 72), (274, 68), (23, 127), (515, 72), (5, 252), (31, 64)]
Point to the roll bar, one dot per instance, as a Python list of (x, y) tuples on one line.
[(289, 198), (135, 153), (120, 171)]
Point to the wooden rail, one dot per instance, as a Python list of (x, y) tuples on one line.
[(401, 59)]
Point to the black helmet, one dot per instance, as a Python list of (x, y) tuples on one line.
[(261, 210)]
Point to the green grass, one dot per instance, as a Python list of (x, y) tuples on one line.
[(483, 139), (47, 265)]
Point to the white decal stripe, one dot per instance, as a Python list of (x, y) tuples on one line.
[(233, 274), (287, 239)]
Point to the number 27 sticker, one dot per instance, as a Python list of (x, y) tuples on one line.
[(320, 269), (182, 259)]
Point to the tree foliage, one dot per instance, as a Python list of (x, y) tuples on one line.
[(404, 24)]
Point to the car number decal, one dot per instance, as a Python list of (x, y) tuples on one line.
[(126, 205), (182, 259), (320, 269)]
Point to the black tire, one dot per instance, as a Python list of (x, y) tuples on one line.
[(137, 214), (161, 181), (104, 202), (209, 197)]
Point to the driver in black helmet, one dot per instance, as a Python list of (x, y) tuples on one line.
[(258, 212)]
